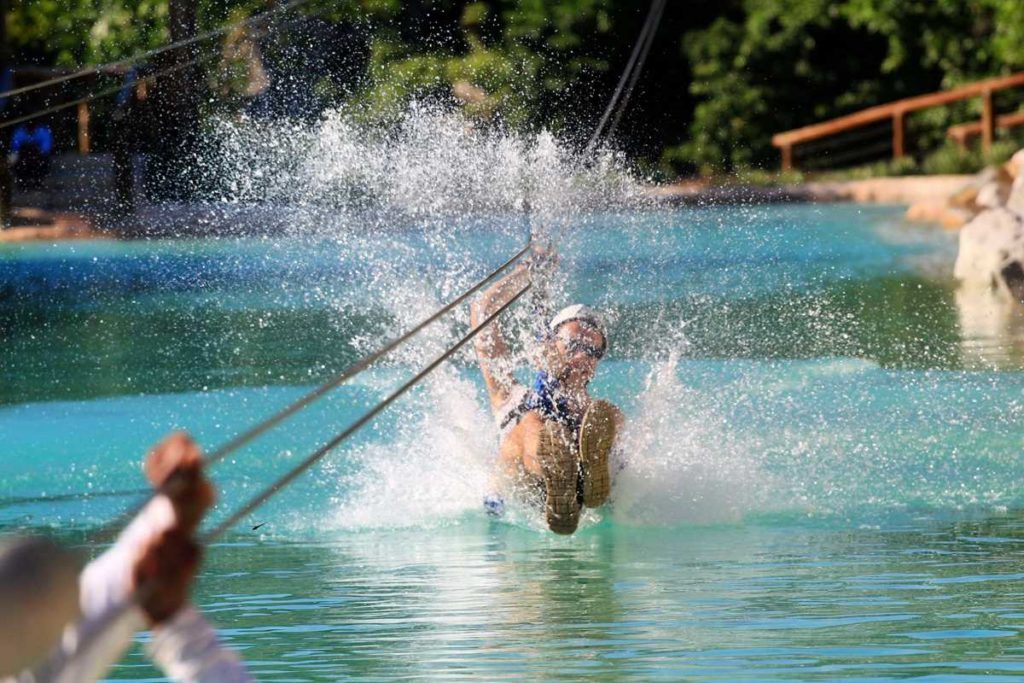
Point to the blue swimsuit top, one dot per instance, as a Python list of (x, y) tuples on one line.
[(545, 398)]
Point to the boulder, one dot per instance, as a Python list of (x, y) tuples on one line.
[(1015, 202), (988, 189), (992, 254), (991, 329), (1015, 165), (938, 211)]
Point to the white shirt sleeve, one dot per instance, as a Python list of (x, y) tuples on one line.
[(186, 648), (109, 621)]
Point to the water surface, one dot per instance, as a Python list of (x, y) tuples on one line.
[(824, 459)]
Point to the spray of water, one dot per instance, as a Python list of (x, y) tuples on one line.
[(419, 189), (410, 211), (435, 166), (681, 461)]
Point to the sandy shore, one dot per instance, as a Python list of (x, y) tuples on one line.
[(927, 197), (37, 225), (899, 190)]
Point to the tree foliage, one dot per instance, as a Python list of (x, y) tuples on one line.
[(779, 64), (724, 75)]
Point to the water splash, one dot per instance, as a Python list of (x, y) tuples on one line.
[(400, 206), (435, 165), (682, 463)]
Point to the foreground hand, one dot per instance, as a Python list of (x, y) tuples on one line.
[(164, 573), (165, 569), (176, 465)]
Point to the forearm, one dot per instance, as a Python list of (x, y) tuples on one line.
[(498, 294), (109, 620), (489, 343)]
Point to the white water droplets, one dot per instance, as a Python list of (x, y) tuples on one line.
[(434, 164), (683, 463)]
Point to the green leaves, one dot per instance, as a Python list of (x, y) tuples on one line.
[(740, 70), (781, 64)]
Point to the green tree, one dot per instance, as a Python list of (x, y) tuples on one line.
[(780, 64)]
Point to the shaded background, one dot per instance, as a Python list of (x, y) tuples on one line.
[(722, 76)]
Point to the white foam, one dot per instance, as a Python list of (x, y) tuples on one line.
[(682, 464), (432, 469)]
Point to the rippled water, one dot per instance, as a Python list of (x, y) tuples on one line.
[(824, 479)]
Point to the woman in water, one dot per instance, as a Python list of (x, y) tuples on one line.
[(554, 437)]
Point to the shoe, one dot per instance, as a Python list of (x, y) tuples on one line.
[(560, 467), (597, 435)]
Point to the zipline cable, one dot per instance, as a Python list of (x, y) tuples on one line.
[(106, 92), (356, 367), (648, 27), (635, 76), (212, 51), (143, 56), (106, 532), (249, 435), (289, 476), (141, 591)]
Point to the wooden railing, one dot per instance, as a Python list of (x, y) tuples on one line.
[(897, 112), (963, 132), (39, 73)]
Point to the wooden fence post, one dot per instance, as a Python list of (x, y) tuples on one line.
[(83, 128), (787, 157), (988, 121), (899, 121)]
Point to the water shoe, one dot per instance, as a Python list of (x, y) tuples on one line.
[(597, 436), (560, 467)]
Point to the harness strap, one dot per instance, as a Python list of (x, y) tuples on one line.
[(545, 398)]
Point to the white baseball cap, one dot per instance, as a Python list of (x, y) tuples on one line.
[(580, 313)]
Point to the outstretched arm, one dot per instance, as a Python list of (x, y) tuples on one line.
[(491, 347)]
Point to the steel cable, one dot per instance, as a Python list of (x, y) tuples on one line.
[(648, 28), (289, 476), (142, 591), (635, 76), (108, 531), (105, 92), (143, 56)]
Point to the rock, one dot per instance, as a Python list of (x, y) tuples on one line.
[(1015, 165), (965, 197), (988, 189), (937, 211), (1015, 202), (37, 225), (992, 254), (991, 329), (992, 195)]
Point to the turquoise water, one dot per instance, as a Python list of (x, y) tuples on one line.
[(824, 452)]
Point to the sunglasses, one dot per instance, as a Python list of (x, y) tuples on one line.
[(574, 345)]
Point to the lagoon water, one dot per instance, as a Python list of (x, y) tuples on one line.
[(825, 462)]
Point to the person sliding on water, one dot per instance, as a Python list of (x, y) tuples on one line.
[(555, 438)]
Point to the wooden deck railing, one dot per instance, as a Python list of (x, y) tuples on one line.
[(963, 132), (897, 111)]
